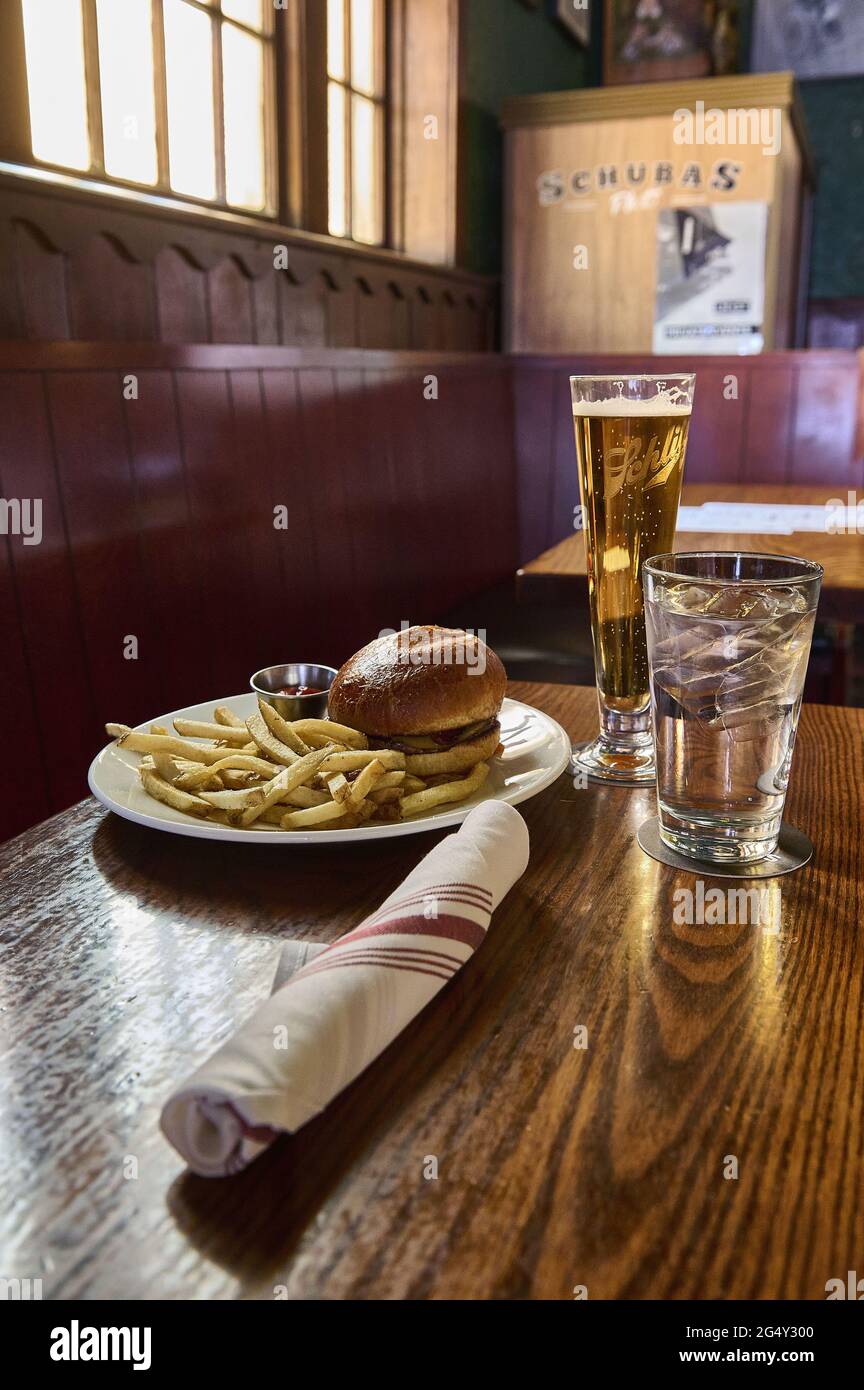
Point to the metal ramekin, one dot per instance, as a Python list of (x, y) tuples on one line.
[(268, 683)]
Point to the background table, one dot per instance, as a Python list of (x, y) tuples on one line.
[(128, 955), (558, 576)]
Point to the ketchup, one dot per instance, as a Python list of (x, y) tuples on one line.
[(301, 690)]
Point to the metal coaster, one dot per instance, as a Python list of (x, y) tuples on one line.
[(793, 851)]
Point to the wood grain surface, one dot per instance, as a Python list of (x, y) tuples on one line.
[(558, 576), (129, 955)]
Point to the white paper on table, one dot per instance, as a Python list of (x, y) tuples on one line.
[(700, 519), (781, 518)]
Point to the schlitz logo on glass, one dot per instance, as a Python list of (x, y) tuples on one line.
[(628, 465)]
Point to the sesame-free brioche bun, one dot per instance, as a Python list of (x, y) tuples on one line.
[(422, 680), (460, 758)]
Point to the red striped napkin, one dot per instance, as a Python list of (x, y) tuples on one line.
[(335, 1009)]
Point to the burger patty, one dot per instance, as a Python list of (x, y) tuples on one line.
[(436, 742)]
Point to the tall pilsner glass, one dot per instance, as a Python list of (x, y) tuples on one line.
[(631, 437)]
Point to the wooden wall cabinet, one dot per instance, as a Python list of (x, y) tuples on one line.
[(594, 177)]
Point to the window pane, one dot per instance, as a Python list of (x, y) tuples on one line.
[(54, 45), (336, 161), (126, 80), (336, 38), (366, 200), (366, 46), (243, 81), (189, 74), (247, 11)]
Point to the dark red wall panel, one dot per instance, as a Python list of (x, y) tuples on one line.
[(42, 583), (159, 469)]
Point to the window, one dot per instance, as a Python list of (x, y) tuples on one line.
[(313, 114), (171, 95), (356, 116)]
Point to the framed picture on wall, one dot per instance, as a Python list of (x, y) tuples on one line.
[(812, 38), (575, 15), (655, 40)]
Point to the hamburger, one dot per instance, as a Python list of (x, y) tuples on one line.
[(432, 693)]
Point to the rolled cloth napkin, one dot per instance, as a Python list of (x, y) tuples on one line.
[(328, 1019)]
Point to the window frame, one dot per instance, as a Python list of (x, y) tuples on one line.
[(162, 187), (422, 230), (382, 103)]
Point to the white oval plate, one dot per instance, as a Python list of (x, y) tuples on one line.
[(536, 752)]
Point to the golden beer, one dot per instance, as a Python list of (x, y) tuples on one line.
[(630, 454)]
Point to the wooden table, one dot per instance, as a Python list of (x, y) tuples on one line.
[(127, 955), (558, 576)]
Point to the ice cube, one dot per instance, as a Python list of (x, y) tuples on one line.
[(740, 603), (684, 598)]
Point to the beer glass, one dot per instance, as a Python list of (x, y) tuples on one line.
[(728, 642), (631, 436)]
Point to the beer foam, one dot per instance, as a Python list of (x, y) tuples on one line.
[(664, 403)]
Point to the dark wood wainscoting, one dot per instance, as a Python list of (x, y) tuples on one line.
[(158, 524), (76, 266), (781, 417)]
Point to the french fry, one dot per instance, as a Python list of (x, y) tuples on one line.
[(163, 791), (223, 715), (339, 786), (286, 781), (197, 728), (392, 779), (364, 783), (312, 816), (413, 784), (158, 729), (269, 743), (319, 731), (347, 762), (205, 781), (447, 791), (305, 796), (244, 762), (382, 796), (237, 778), (166, 767), (349, 821), (301, 798), (244, 800), (281, 729), (166, 743)]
